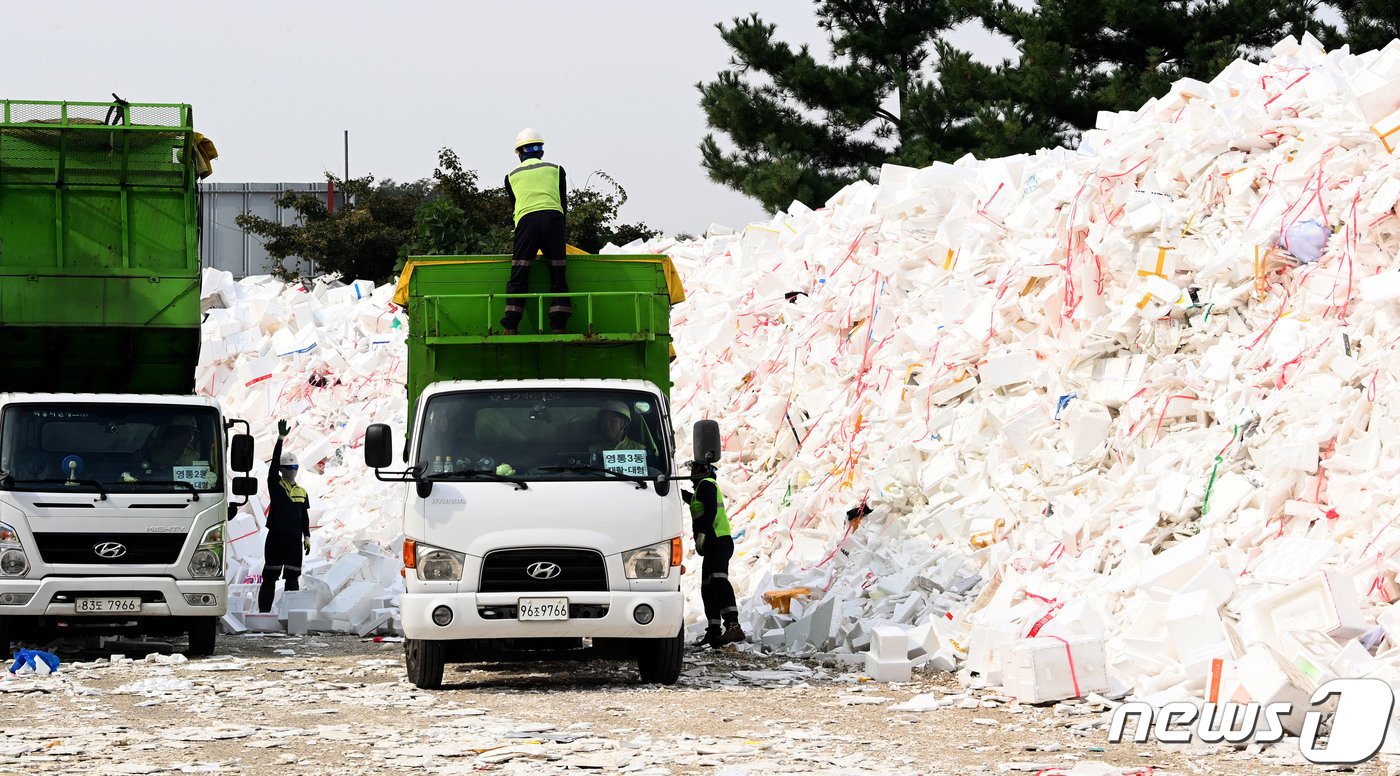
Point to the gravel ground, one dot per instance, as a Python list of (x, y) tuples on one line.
[(340, 705)]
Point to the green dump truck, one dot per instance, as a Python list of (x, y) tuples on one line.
[(114, 479), (541, 518)]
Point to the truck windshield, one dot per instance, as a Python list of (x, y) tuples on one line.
[(111, 447), (545, 435)]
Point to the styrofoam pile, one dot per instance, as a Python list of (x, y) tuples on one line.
[(1089, 395), (329, 358)]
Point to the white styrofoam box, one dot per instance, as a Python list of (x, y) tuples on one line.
[(1193, 623), (893, 670), (1087, 426), (298, 622), (262, 623), (889, 643), (1377, 289), (1324, 602), (1269, 678), (353, 603), (377, 619), (1006, 368), (1171, 568), (1389, 620), (1049, 669), (1214, 581), (296, 599), (233, 624)]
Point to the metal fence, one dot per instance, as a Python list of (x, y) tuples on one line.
[(224, 245)]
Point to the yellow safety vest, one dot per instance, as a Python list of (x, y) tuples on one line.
[(536, 187)]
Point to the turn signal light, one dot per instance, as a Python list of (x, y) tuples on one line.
[(410, 554), (677, 551)]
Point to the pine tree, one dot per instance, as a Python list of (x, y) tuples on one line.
[(802, 130), (1370, 24), (1078, 57)]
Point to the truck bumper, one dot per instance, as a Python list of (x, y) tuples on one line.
[(160, 596), (468, 621)]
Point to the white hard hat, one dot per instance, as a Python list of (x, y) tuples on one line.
[(288, 459), (526, 137), (613, 405)]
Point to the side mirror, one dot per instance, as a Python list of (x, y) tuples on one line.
[(663, 485), (707, 441), (379, 452), (241, 453), (245, 486), (425, 488)]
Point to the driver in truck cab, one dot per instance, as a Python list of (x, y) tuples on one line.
[(173, 446), (611, 427)]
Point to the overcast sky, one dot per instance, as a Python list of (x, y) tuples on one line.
[(610, 84)]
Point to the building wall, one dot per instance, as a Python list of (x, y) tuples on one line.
[(225, 246)]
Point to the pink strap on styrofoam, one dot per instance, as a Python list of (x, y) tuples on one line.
[(1069, 654)]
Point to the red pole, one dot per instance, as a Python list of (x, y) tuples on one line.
[(330, 196)]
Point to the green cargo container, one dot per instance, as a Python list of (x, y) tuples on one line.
[(99, 249), (620, 326)]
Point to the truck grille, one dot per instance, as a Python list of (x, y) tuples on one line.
[(507, 571), (137, 549)]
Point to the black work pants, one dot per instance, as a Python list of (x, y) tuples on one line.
[(715, 589), (281, 558), (542, 230)]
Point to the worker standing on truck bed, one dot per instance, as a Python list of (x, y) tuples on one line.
[(710, 523), (537, 194), (288, 520)]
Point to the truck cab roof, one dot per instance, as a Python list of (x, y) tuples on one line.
[(615, 384), (110, 398)]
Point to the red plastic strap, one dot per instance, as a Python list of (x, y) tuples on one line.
[(1050, 615), (1069, 654), (253, 532)]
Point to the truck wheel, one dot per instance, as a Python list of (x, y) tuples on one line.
[(425, 660), (660, 659), (202, 632)]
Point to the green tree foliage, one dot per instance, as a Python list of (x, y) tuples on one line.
[(449, 214), (801, 129), (1078, 57), (898, 92), (360, 240), (1370, 24)]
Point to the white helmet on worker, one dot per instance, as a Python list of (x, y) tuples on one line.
[(619, 407), (288, 463), (528, 137)]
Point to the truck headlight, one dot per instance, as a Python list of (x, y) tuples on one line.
[(208, 559), (650, 562), (13, 561), (436, 565), (206, 564)]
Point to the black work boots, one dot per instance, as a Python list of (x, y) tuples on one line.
[(714, 637)]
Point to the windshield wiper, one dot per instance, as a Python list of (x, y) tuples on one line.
[(100, 490), (636, 478), (517, 482), (194, 492)]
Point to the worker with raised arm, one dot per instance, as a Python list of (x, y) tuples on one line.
[(288, 523), (710, 524), (539, 199)]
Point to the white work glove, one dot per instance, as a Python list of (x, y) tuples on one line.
[(306, 545)]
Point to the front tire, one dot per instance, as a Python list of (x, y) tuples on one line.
[(660, 660), (202, 636), (425, 661)]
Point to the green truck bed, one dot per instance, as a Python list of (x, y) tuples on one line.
[(99, 252), (620, 326)]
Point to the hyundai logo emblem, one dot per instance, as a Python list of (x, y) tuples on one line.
[(109, 550), (543, 570)]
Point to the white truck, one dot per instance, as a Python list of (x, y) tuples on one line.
[(542, 521), (112, 513)]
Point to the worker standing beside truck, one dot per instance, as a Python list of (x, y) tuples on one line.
[(537, 194), (710, 524), (288, 523)]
